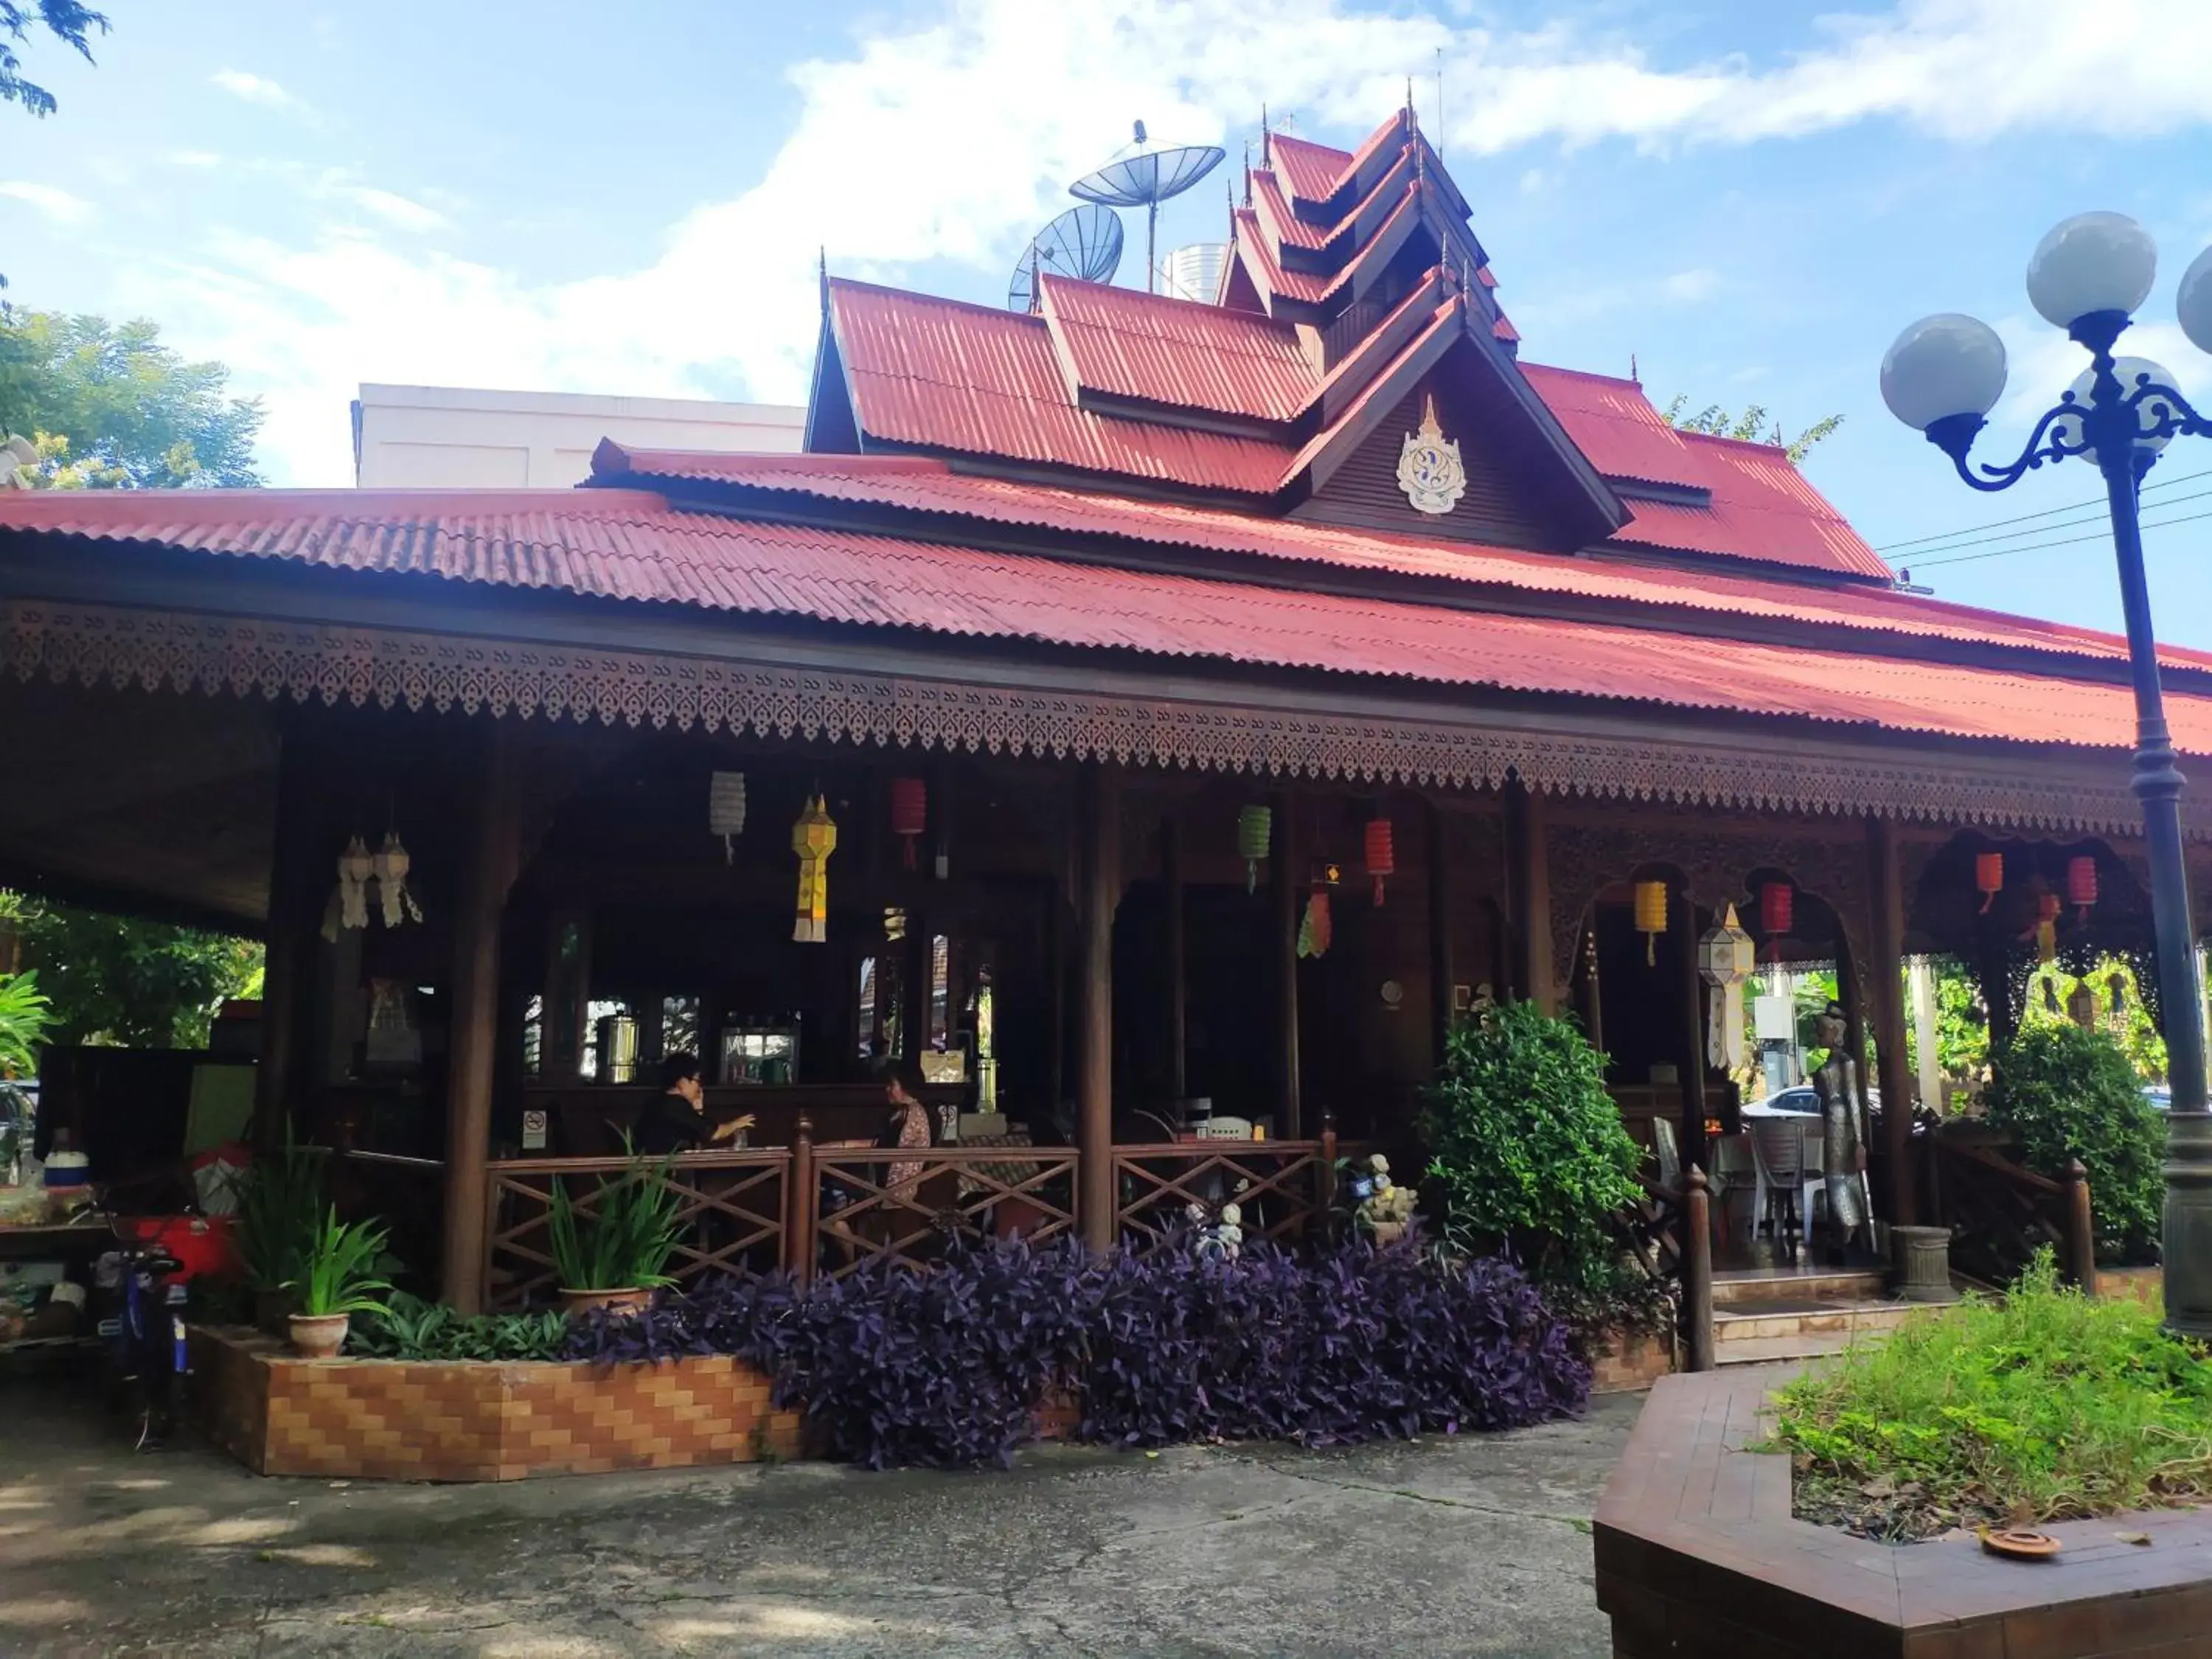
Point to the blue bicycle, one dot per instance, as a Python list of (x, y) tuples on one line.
[(144, 1337)]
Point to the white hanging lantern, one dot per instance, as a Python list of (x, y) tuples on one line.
[(726, 810), (1725, 956), (356, 869), (389, 868)]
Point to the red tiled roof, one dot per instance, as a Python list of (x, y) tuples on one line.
[(1268, 197), (630, 545), (1312, 171), (926, 484), (947, 375), (1252, 238), (1135, 344), (1614, 423)]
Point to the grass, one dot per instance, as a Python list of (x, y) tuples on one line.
[(2046, 1406)]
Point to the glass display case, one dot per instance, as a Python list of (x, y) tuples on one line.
[(759, 1054)]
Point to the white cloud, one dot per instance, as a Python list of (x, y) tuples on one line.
[(954, 137), (253, 88), (193, 158), (1689, 287), (59, 205)]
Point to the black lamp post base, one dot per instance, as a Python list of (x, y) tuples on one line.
[(2188, 1231)]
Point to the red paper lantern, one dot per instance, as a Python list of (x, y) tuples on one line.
[(2082, 886), (1988, 877), (1381, 854), (1777, 908), (910, 811)]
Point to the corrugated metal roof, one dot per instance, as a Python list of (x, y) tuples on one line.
[(1763, 508), (621, 545), (1312, 171), (924, 484), (1614, 423), (947, 375), (1167, 350), (1278, 216)]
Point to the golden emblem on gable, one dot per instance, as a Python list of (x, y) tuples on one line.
[(1428, 469)]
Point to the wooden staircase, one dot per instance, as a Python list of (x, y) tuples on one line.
[(1767, 1318)]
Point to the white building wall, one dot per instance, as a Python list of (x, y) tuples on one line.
[(450, 437)]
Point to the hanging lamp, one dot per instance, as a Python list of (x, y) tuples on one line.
[(2046, 926), (813, 837), (2082, 886), (909, 812), (1988, 877), (1381, 854), (726, 810), (1725, 956), (1316, 930), (1256, 830), (1650, 917)]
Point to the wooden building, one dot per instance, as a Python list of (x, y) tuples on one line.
[(1066, 595)]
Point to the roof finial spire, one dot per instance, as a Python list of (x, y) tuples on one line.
[(1266, 140), (822, 264), (1632, 374)]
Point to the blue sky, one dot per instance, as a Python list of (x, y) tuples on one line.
[(1748, 198)]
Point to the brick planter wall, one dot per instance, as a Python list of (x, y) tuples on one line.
[(2139, 1284), (389, 1420), (1631, 1360)]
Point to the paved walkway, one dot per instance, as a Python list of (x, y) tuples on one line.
[(1477, 1546)]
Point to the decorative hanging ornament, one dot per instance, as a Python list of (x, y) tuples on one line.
[(1725, 957), (909, 812), (813, 837), (1381, 854), (2046, 926), (1777, 913), (726, 810), (2082, 886), (1650, 917), (356, 868), (1988, 877), (1255, 829), (1316, 930), (389, 869), (2081, 1005)]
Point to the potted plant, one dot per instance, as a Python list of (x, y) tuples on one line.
[(280, 1208), (339, 1279), (616, 1253)]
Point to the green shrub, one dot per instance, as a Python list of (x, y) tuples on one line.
[(624, 1241), (340, 1274), (280, 1213), (2045, 1406), (2064, 1093), (1526, 1148), (410, 1328)]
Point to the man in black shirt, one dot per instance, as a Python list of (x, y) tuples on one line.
[(677, 1120)]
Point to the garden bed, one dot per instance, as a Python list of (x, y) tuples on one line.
[(391, 1419), (1698, 1550)]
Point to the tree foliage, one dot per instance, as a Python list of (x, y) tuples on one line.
[(2065, 1093), (2120, 1016), (1753, 425), (25, 1015), (109, 407), (1526, 1147), (133, 984), (68, 21)]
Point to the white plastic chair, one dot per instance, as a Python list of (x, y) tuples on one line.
[(1777, 1150), (1735, 1170)]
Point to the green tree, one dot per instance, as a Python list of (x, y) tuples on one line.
[(1751, 426), (2065, 1093), (2119, 1010), (68, 21), (1962, 1025), (109, 407), (115, 980)]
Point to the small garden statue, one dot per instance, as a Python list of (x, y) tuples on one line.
[(1229, 1231), (1845, 1134), (1382, 1208)]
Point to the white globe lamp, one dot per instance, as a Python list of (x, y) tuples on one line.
[(2192, 302), (1943, 366), (2093, 262), (2130, 372)]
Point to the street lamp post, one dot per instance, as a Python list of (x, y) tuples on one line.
[(1942, 376)]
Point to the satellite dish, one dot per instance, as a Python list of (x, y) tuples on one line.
[(1083, 242), (1145, 174)]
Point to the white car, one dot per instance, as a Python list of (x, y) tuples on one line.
[(1802, 1101)]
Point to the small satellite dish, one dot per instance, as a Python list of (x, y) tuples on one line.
[(1083, 242), (1145, 174)]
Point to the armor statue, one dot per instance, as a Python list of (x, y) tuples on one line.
[(1845, 1133)]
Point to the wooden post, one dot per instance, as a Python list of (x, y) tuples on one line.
[(1593, 991), (488, 870), (1292, 1127), (2081, 1229), (288, 939), (1886, 983), (1682, 933), (1325, 1176), (1102, 892), (1697, 1272), (799, 1246), (1056, 970), (1441, 973), (1171, 870), (1530, 913)]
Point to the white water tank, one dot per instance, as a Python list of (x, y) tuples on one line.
[(1193, 272)]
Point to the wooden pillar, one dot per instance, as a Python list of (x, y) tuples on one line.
[(1529, 903), (1886, 990), (487, 870), (288, 939), (1101, 894), (1593, 991), (1993, 968), (1171, 870), (1441, 970), (1291, 1127), (1682, 938), (914, 989), (1697, 1272), (1055, 969)]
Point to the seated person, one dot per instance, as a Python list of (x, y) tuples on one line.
[(677, 1120)]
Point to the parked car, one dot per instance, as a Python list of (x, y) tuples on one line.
[(2158, 1096), (1802, 1101)]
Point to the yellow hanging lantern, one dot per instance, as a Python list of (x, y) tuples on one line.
[(813, 837), (1650, 917)]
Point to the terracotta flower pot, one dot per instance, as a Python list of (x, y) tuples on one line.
[(577, 1302), (319, 1336)]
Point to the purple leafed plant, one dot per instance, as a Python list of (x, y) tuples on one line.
[(948, 1366)]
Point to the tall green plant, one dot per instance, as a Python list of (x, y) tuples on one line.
[(626, 1240), (1525, 1146), (2064, 1093), (339, 1274), (280, 1208), (25, 1014)]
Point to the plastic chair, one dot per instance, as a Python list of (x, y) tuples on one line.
[(1777, 1150), (1735, 1170), (1668, 1151), (1813, 1180)]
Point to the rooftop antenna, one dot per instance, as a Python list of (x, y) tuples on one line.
[(1440, 104), (1145, 174), (1085, 243), (1632, 373)]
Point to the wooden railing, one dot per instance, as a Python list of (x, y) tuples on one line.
[(1284, 1189), (865, 1203), (734, 1206), (407, 1196), (2001, 1214)]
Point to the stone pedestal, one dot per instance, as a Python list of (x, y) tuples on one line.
[(1921, 1263)]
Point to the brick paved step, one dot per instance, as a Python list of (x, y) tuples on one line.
[(1763, 1333)]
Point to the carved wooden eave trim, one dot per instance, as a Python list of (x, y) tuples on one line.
[(1175, 719)]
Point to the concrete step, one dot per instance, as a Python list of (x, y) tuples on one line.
[(1755, 1321), (1847, 1284)]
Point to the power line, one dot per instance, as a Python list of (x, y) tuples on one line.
[(2030, 518), (2096, 516), (2069, 541)]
